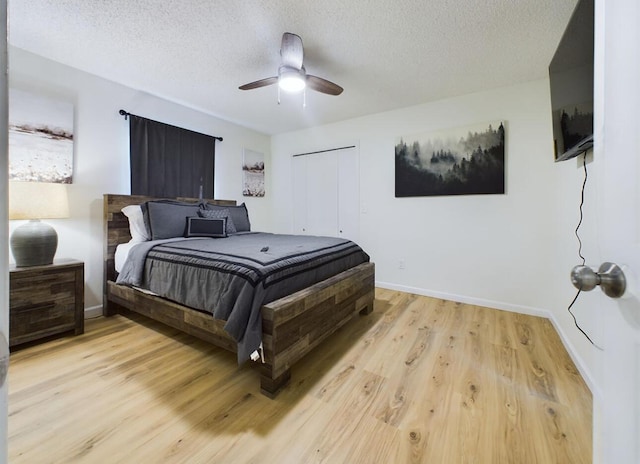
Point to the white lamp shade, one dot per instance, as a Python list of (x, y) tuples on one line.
[(38, 200)]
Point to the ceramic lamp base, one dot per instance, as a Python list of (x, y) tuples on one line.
[(34, 244)]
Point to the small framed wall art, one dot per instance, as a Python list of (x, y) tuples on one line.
[(252, 173)]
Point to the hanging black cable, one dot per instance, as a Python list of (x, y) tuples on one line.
[(584, 184), (577, 234)]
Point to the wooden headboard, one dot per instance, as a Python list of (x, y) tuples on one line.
[(116, 224)]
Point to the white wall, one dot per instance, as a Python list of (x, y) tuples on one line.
[(101, 152), (512, 251)]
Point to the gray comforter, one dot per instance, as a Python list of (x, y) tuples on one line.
[(231, 278)]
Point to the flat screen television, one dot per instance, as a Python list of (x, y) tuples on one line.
[(571, 85)]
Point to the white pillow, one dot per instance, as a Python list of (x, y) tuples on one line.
[(136, 223)]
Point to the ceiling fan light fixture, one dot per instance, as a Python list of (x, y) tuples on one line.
[(291, 79)]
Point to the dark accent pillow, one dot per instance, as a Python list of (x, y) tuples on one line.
[(239, 214), (166, 218), (220, 214), (205, 227)]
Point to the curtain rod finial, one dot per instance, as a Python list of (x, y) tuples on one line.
[(123, 113)]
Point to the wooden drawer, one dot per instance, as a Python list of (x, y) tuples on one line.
[(42, 320), (29, 291), (46, 300)]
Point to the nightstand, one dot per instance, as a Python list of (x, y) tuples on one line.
[(45, 300)]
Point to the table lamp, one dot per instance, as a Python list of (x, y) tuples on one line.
[(34, 243)]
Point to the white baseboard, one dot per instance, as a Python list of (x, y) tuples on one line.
[(94, 311), (586, 374), (468, 300), (531, 311)]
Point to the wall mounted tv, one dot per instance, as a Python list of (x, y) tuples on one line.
[(571, 85)]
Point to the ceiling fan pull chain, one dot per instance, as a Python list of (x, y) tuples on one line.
[(278, 95)]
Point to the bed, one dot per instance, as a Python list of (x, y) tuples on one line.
[(291, 326)]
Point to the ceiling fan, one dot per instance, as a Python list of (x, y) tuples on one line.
[(292, 76)]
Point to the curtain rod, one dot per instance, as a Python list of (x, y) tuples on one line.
[(324, 151), (126, 114)]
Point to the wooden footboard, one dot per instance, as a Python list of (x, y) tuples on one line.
[(292, 326)]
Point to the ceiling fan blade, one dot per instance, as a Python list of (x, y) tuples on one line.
[(291, 50), (260, 83), (322, 85)]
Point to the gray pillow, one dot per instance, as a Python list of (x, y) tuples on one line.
[(238, 214), (220, 214), (168, 219)]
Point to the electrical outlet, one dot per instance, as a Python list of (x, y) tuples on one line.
[(401, 264)]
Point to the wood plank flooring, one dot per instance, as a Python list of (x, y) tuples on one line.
[(419, 380)]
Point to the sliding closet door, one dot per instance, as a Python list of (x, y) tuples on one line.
[(315, 194), (299, 195), (326, 193), (348, 194), (322, 194)]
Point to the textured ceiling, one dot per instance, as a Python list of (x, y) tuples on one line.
[(386, 54)]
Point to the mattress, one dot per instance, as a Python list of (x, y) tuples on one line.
[(121, 254)]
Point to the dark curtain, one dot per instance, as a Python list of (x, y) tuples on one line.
[(168, 161)]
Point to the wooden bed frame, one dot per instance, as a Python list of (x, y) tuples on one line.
[(291, 326)]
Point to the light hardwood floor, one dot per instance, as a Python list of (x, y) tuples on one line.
[(419, 380)]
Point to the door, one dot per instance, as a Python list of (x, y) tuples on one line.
[(326, 193), (616, 156), (315, 194), (299, 183), (322, 194), (4, 226), (349, 194)]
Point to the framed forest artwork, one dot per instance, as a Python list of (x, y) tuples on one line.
[(463, 161)]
